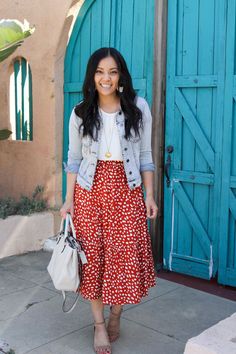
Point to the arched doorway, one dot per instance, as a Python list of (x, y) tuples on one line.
[(126, 25)]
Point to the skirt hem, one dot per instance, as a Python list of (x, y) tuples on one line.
[(145, 294)]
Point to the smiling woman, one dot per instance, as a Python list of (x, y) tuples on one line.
[(104, 191)]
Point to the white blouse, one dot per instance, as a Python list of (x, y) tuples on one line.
[(110, 139)]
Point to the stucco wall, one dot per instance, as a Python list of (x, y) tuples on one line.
[(23, 165)]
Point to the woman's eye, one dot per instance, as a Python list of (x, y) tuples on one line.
[(99, 71), (114, 72)]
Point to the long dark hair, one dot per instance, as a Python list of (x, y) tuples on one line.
[(87, 109)]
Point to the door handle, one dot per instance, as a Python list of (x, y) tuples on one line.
[(169, 149)]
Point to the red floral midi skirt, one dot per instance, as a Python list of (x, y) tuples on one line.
[(110, 222)]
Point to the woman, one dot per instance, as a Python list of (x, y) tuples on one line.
[(109, 158)]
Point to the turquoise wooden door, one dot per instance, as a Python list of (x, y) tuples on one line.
[(227, 241), (194, 116), (126, 25), (200, 186)]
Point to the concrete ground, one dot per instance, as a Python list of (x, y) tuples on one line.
[(32, 322)]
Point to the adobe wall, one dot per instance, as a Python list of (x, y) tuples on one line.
[(23, 165)]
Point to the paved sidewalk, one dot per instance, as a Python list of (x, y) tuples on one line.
[(32, 322)]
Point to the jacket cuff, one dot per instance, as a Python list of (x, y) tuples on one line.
[(71, 168), (147, 167)]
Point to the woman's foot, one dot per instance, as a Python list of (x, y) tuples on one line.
[(113, 327), (102, 344)]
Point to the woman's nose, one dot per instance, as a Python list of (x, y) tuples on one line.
[(106, 76)]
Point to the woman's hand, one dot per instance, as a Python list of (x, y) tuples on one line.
[(152, 208), (67, 207)]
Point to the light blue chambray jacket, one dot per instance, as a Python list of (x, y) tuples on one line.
[(137, 152)]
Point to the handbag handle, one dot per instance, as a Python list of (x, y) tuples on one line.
[(68, 222), (72, 225), (62, 229), (64, 303)]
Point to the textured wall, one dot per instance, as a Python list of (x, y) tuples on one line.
[(23, 165)]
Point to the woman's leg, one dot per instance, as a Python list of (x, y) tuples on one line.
[(100, 336), (113, 327)]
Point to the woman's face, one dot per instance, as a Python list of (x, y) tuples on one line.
[(106, 77)]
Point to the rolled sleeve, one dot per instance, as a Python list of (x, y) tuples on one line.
[(146, 160), (74, 156), (147, 167), (71, 168)]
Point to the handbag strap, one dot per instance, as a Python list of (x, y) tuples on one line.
[(61, 227), (64, 303), (68, 222)]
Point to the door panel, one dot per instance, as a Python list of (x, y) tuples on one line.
[(193, 121), (227, 244)]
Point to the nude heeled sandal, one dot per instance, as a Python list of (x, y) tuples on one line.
[(114, 331), (101, 349)]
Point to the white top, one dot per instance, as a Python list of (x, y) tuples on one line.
[(110, 140)]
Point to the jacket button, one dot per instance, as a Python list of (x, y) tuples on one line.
[(134, 184), (127, 160), (130, 172), (90, 176), (125, 149)]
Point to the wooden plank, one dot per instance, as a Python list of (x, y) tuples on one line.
[(196, 81), (194, 127), (113, 23), (127, 30), (178, 140), (232, 203), (82, 50), (189, 57), (193, 219), (205, 262), (232, 182), (23, 101), (138, 46), (118, 24), (169, 134), (65, 140), (178, 217), (190, 268), (217, 128), (75, 33), (156, 227), (106, 28), (204, 116), (231, 239), (148, 65), (73, 86), (179, 41), (96, 26), (226, 197), (17, 98), (194, 177), (30, 105)]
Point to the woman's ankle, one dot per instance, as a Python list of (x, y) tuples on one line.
[(97, 310), (116, 309)]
